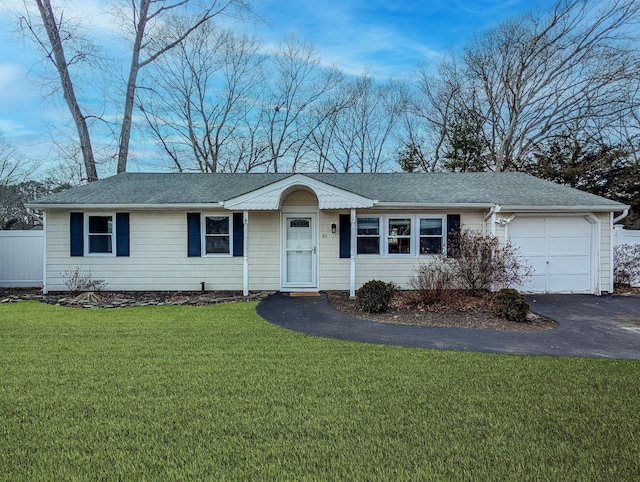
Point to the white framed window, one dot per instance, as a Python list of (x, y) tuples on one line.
[(399, 235), (100, 234), (368, 235), (217, 234), (431, 235)]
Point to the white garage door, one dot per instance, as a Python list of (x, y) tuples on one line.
[(559, 249)]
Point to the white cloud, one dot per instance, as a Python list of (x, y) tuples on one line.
[(9, 73), (15, 90)]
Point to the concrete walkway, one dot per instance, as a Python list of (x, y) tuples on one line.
[(588, 326)]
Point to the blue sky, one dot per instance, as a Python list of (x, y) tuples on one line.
[(388, 38)]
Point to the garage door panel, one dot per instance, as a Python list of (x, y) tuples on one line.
[(570, 246), (535, 284), (569, 284), (566, 227), (530, 246), (569, 264), (537, 263), (527, 227)]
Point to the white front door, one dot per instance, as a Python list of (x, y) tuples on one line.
[(299, 256)]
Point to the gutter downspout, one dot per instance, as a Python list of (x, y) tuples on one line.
[(491, 214), (612, 237), (620, 218), (505, 222)]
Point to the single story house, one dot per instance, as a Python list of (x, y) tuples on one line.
[(317, 231)]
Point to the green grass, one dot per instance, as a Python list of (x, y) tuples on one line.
[(184, 393)]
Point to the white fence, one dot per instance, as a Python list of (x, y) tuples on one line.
[(21, 258), (626, 236)]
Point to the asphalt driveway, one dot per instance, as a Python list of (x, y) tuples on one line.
[(588, 326)]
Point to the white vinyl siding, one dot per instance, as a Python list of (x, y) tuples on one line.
[(157, 260)]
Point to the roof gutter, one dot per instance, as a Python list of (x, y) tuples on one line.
[(141, 207), (621, 217), (408, 205), (379, 205), (562, 209)]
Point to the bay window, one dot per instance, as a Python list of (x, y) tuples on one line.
[(408, 235)]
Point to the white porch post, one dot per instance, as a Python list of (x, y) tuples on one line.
[(353, 244), (245, 253), (44, 253)]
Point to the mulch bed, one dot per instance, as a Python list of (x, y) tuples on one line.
[(469, 312), (120, 299)]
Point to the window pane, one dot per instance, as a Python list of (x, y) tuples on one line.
[(430, 245), (369, 245), (217, 225), (431, 227), (217, 245), (399, 245), (368, 227), (100, 243), (100, 224), (399, 227), (299, 223)]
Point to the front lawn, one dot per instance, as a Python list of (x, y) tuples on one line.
[(217, 393)]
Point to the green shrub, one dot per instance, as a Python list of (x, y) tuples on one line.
[(509, 304), (374, 296)]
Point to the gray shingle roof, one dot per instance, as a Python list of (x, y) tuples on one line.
[(505, 188)]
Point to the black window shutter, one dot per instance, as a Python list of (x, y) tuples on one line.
[(453, 232), (193, 234), (76, 226), (345, 236), (238, 234), (122, 234)]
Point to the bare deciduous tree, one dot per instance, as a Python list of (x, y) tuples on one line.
[(537, 75), (532, 75), (14, 168), (298, 84), (364, 128), (150, 41), (144, 20), (201, 97), (58, 33)]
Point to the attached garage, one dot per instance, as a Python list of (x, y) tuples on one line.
[(561, 251)]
